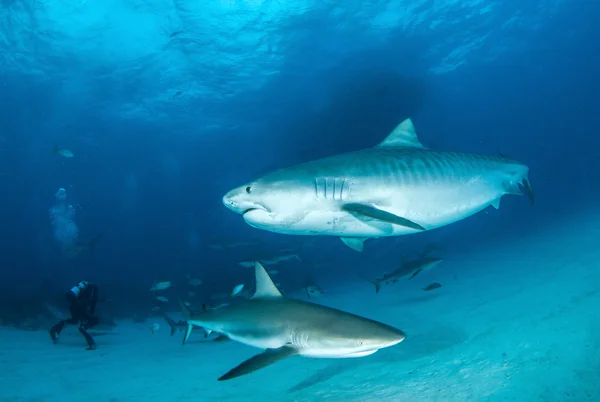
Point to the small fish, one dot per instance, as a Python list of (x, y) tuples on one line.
[(154, 327), (273, 272), (195, 282), (161, 286), (432, 286), (236, 290), (162, 299), (155, 308), (191, 294), (63, 152)]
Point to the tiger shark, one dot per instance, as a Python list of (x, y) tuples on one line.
[(286, 327), (398, 187)]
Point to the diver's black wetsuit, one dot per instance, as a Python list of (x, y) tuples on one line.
[(82, 299)]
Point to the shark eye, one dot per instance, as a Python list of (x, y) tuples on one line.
[(248, 189), (360, 343)]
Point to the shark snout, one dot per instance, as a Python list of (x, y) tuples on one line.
[(240, 202), (392, 336)]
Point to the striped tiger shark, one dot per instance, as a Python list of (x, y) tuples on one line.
[(286, 327), (398, 187)]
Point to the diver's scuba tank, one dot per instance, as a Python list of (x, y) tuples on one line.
[(78, 288)]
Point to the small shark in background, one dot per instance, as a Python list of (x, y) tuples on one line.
[(413, 267), (63, 152), (398, 187), (224, 245), (286, 327), (271, 260), (183, 326)]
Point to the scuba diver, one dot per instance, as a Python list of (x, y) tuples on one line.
[(82, 299)]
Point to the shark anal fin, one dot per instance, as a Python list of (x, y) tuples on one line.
[(496, 203), (381, 215), (355, 243), (259, 361)]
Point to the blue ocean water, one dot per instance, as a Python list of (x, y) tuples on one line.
[(166, 106)]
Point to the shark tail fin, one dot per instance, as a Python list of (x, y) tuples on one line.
[(374, 282), (172, 324), (522, 187)]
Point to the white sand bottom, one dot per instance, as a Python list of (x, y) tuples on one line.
[(520, 322)]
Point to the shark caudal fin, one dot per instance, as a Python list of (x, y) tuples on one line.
[(172, 324), (374, 282), (520, 186)]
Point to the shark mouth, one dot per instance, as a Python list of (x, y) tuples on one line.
[(259, 208)]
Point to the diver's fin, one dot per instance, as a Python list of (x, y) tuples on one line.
[(259, 361), (172, 324), (379, 214), (355, 243), (404, 135), (265, 288)]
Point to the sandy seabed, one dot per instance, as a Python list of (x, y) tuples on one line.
[(519, 321)]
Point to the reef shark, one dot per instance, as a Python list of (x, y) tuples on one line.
[(396, 188), (413, 267), (286, 327)]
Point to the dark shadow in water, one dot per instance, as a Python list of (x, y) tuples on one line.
[(415, 346)]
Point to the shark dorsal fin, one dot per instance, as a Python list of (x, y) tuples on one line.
[(265, 287), (404, 135)]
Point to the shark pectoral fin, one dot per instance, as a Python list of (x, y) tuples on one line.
[(381, 215), (417, 272), (259, 361), (404, 135), (207, 332), (355, 243)]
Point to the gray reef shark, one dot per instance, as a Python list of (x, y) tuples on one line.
[(396, 188), (287, 327)]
